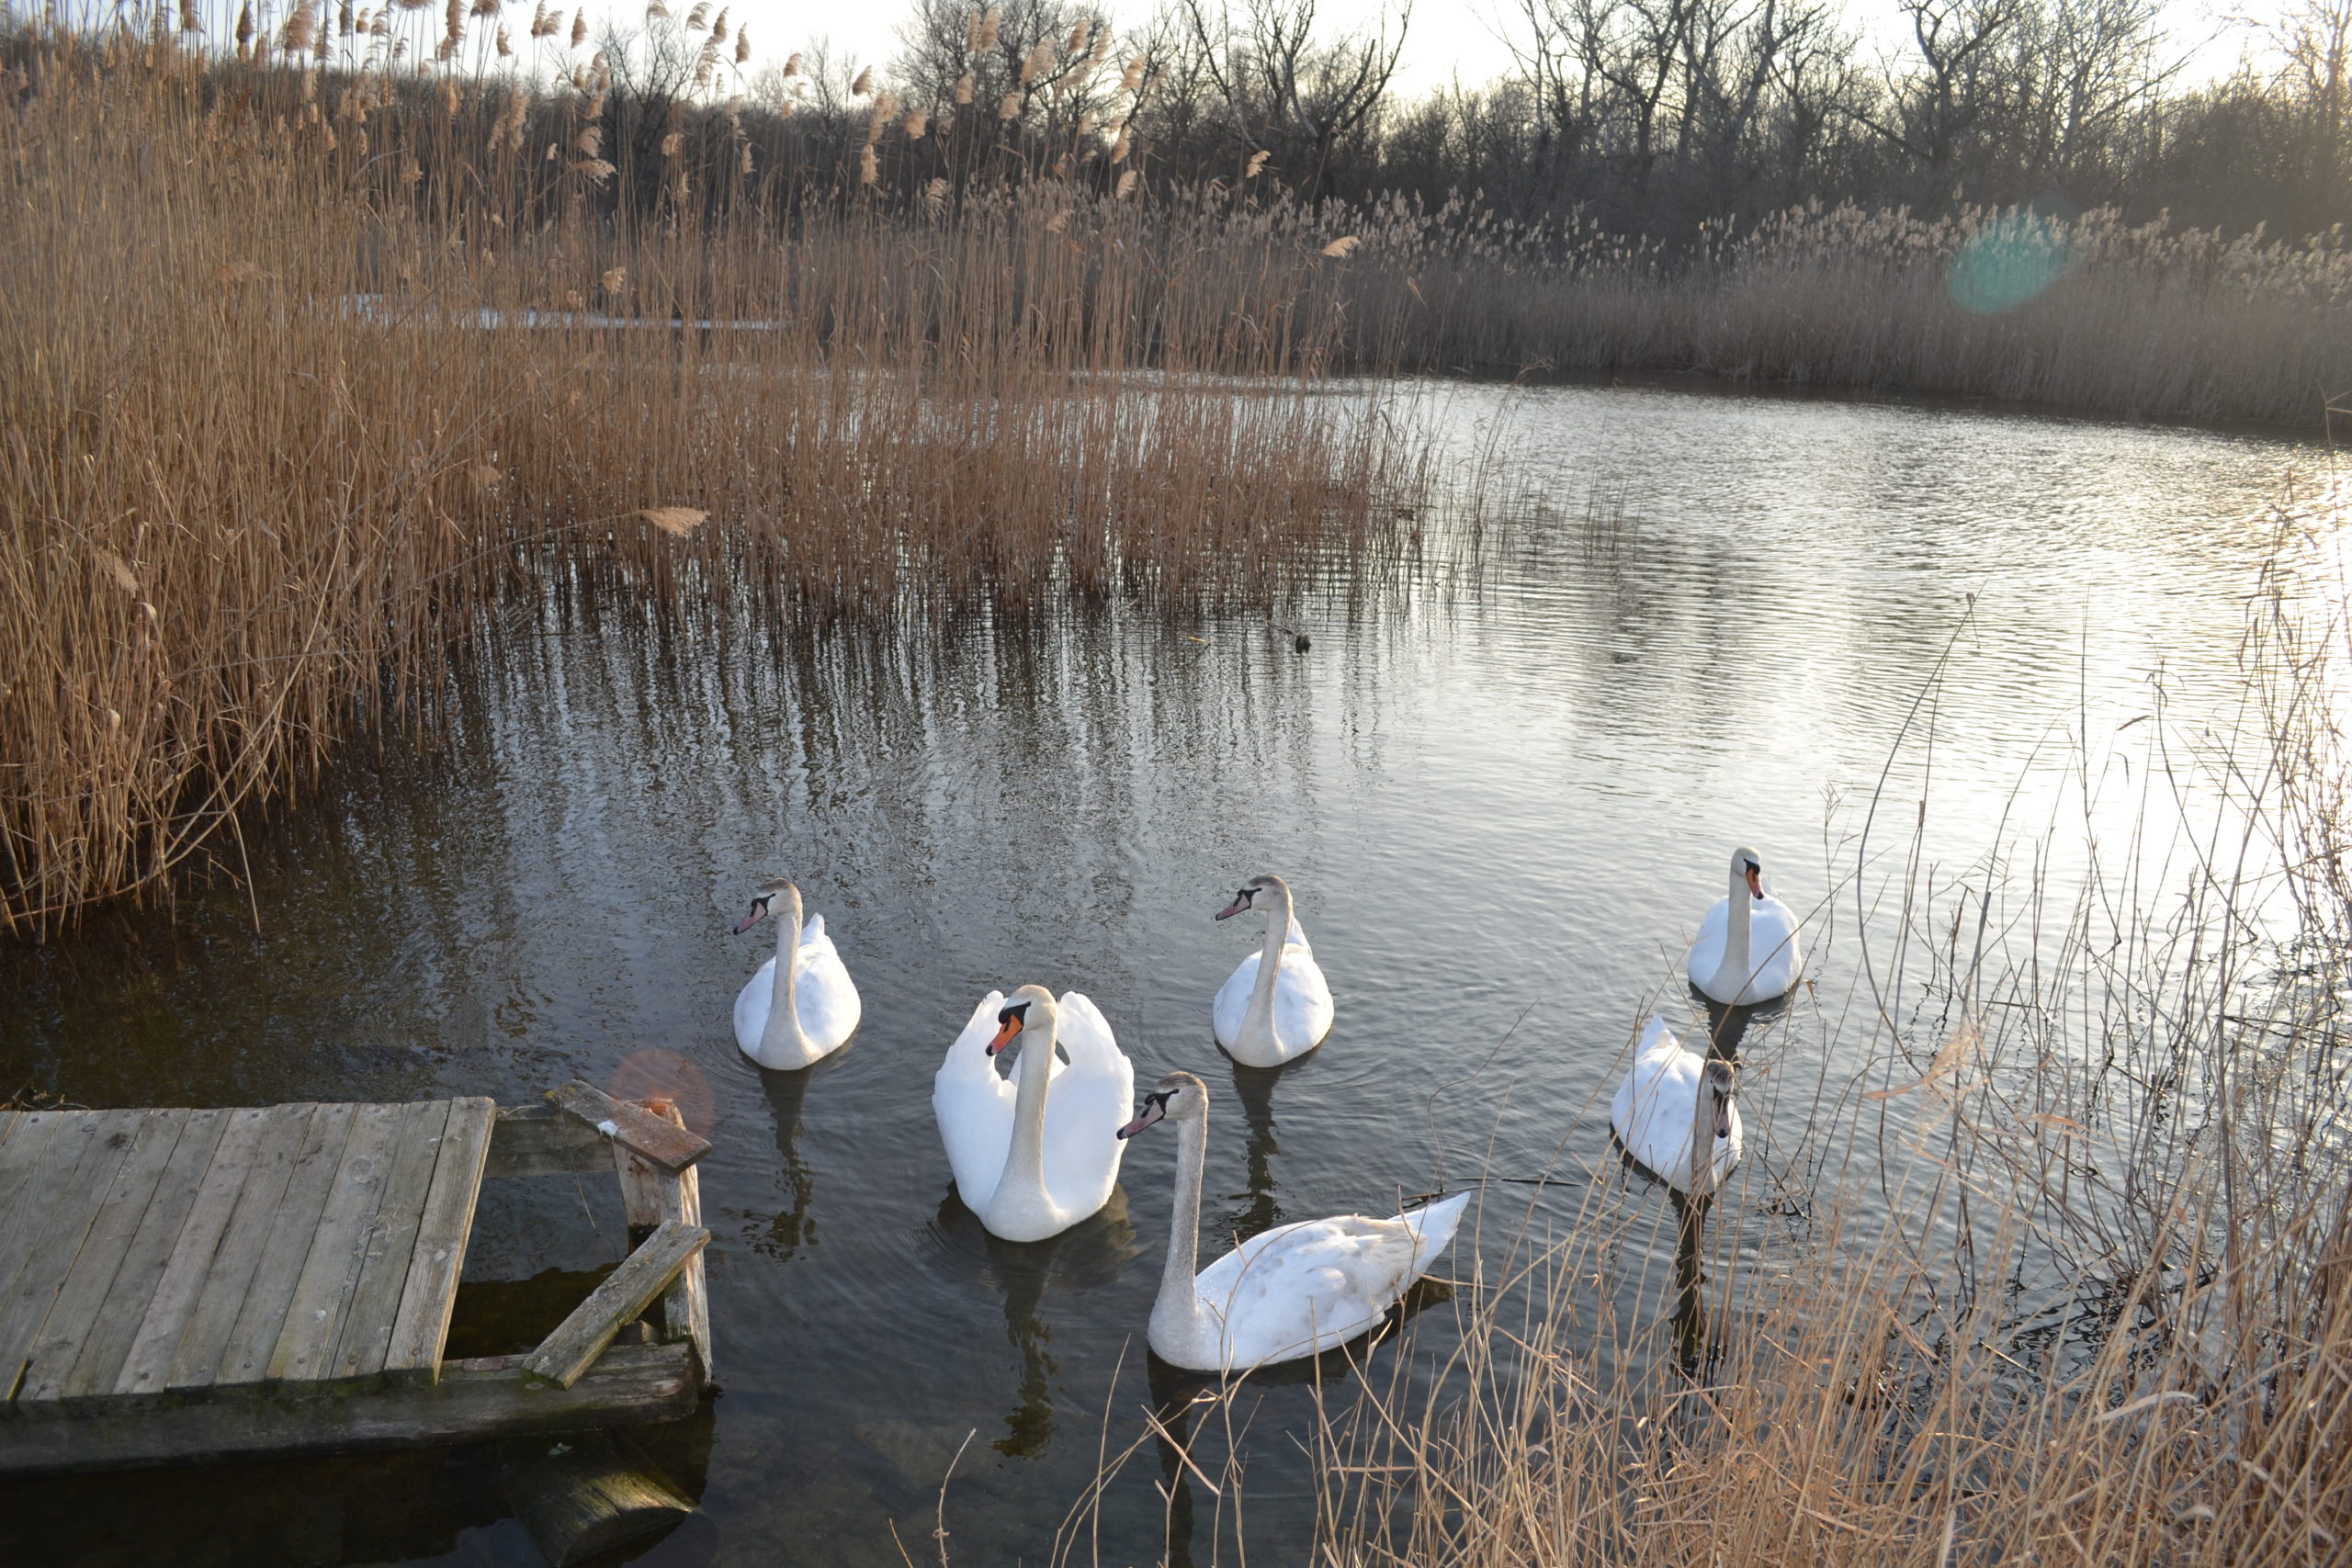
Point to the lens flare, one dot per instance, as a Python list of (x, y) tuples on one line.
[(656, 1073)]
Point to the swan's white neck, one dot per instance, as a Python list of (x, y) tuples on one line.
[(1259, 1015), (1734, 972), (1177, 1316), (1702, 1135), (1024, 1161), (782, 1036)]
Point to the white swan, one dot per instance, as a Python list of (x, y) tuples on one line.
[(824, 1009), (1275, 1005), (1674, 1114), (1290, 1291), (1746, 948), (1030, 1164)]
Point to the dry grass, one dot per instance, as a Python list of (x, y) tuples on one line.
[(286, 418)]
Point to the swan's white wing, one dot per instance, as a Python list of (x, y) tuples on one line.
[(1301, 1287), (1302, 1002), (1707, 949), (974, 1105), (1295, 937), (751, 1008), (825, 997), (1653, 1106), (1233, 1000), (1772, 946), (1089, 1101)]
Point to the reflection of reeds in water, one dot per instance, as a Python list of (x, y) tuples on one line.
[(289, 415), (2073, 1283)]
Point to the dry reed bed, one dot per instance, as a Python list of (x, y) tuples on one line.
[(265, 464), (2063, 1275)]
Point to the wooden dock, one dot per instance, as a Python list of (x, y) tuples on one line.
[(180, 1286)]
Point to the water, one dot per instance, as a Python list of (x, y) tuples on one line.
[(1503, 795)]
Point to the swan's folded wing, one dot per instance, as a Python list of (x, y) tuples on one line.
[(827, 1000), (1706, 954), (974, 1105), (1772, 940), (1302, 1001), (1093, 1096), (752, 1005), (1296, 936), (1319, 1283), (1652, 1106)]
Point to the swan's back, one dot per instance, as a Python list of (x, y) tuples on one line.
[(1303, 1009), (825, 998), (1654, 1107), (1772, 952)]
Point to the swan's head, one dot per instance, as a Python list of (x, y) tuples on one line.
[(1718, 1081), (1027, 1005), (1246, 899), (1178, 1096), (767, 894), (1747, 867)]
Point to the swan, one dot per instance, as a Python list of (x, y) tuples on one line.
[(825, 1008), (1746, 948), (1290, 1291), (1028, 1163), (1674, 1112), (1275, 1005)]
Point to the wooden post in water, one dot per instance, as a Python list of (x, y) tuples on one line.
[(579, 1495)]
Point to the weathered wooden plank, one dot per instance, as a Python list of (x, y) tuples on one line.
[(293, 1231), (55, 1235), (473, 1399), (196, 1363), (651, 1196), (541, 1140), (430, 1292), (313, 1318), (627, 1291), (90, 1279), (15, 1158), (148, 1360), (666, 1143), (116, 1321), (46, 1161), (367, 1330)]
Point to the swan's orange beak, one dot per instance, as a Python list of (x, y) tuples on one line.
[(1008, 1024), (1756, 882)]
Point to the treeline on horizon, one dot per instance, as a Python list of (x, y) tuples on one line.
[(1656, 118)]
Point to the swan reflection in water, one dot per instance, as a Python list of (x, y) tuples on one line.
[(1253, 1088), (794, 1226), (1090, 1256)]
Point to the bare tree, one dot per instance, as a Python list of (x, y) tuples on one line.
[(1288, 91)]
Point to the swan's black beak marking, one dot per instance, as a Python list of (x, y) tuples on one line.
[(1155, 1109), (759, 909), (1008, 1023)]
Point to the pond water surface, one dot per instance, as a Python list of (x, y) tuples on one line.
[(1504, 795)]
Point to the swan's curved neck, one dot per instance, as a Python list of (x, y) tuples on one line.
[(1270, 960), (782, 1032), (1024, 1161), (1702, 1137), (1178, 1304), (1734, 972)]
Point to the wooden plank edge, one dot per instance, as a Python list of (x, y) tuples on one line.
[(665, 1143), (474, 1400), (575, 1343)]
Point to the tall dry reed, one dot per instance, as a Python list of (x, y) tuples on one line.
[(289, 413)]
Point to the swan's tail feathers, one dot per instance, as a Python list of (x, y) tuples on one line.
[(1655, 1033), (1434, 1225), (1297, 935), (814, 931)]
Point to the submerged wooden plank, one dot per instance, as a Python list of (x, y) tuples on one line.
[(54, 1235), (542, 1140), (197, 1358), (148, 1360), (313, 1318), (666, 1143), (473, 1399), (625, 1292), (367, 1330), (293, 1228), (117, 1320), (430, 1292), (75, 1310)]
